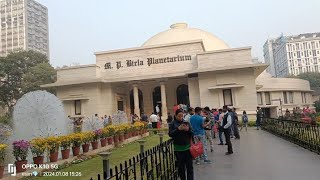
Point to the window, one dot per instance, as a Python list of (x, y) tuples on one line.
[(259, 98), (291, 97), (227, 97), (267, 98), (77, 107), (285, 97)]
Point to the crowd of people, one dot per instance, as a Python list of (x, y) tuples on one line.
[(202, 124)]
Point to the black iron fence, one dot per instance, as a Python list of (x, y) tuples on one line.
[(303, 134), (157, 163)]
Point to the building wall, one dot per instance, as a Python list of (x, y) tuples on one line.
[(194, 92), (24, 25), (214, 98), (136, 72), (78, 72), (295, 54)]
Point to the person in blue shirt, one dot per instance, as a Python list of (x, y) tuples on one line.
[(198, 124)]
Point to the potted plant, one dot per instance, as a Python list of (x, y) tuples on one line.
[(38, 147), (111, 132), (20, 152), (3, 148), (76, 140), (126, 131), (53, 148), (87, 138), (96, 136), (65, 143), (116, 134), (121, 132), (107, 131), (104, 135)]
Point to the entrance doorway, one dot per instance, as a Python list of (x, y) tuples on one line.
[(183, 95), (140, 102), (156, 96)]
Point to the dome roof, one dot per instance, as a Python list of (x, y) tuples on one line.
[(180, 32), (264, 75)]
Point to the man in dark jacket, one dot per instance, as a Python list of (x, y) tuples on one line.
[(181, 133), (226, 124)]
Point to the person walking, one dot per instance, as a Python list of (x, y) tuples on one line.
[(220, 127), (245, 121), (259, 117), (154, 120), (181, 133), (226, 123), (208, 129), (235, 124), (190, 113), (198, 126)]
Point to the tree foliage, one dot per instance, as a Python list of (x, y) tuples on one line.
[(312, 77), (22, 72)]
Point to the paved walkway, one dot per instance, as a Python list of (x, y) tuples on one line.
[(260, 155)]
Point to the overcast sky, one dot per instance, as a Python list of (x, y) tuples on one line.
[(78, 28)]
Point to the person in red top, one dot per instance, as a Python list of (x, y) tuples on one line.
[(175, 108)]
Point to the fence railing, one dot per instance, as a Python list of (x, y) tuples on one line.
[(157, 163), (303, 134)]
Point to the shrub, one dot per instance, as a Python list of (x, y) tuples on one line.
[(38, 146), (65, 141), (53, 144), (3, 148), (20, 149), (76, 139)]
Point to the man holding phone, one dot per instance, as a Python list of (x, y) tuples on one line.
[(198, 124)]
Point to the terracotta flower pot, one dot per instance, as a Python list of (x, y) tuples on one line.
[(76, 150), (85, 148), (38, 160), (126, 136), (19, 166), (95, 144), (54, 156), (103, 142), (130, 134), (65, 153), (1, 171), (121, 137), (110, 140), (116, 139)]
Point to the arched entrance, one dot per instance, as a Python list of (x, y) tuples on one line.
[(156, 95), (140, 102), (183, 95)]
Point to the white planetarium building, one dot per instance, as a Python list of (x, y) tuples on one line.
[(181, 65)]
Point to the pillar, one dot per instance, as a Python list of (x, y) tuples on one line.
[(164, 109), (136, 99)]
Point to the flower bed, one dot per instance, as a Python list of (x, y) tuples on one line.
[(50, 145)]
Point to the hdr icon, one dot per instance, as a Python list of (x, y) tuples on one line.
[(12, 169)]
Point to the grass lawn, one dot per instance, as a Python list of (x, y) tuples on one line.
[(93, 167)]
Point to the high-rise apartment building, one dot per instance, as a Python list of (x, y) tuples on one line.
[(24, 25), (292, 55)]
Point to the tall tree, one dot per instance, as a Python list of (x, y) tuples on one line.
[(14, 68), (312, 77)]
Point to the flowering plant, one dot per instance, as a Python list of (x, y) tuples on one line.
[(53, 144), (138, 125), (98, 134), (3, 148), (76, 139), (38, 146), (65, 141), (88, 137), (111, 130), (105, 133), (20, 149)]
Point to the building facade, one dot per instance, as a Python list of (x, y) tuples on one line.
[(292, 55), (181, 65), (24, 25), (276, 95)]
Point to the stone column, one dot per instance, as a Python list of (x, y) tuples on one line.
[(136, 99), (164, 108)]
